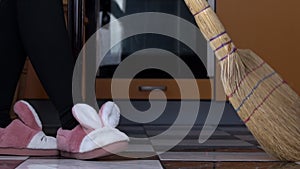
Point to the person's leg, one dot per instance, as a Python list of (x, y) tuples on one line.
[(12, 58), (45, 39), (23, 136)]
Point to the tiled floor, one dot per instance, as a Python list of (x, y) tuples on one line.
[(230, 147)]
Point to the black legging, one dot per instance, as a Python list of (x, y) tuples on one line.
[(36, 28)]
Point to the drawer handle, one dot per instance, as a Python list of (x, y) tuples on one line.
[(150, 88)]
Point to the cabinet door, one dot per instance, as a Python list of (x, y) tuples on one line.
[(268, 27)]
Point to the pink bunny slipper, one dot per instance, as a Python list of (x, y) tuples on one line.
[(24, 136), (95, 136)]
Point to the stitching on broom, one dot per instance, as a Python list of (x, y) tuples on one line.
[(223, 45), (240, 83), (252, 91), (202, 10), (223, 58), (264, 100), (217, 36)]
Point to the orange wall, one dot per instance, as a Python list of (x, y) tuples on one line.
[(271, 28)]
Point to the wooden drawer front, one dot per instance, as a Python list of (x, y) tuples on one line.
[(141, 88)]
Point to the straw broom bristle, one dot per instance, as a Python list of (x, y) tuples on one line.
[(267, 105)]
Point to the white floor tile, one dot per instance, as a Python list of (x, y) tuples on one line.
[(76, 164), (215, 156), (13, 157)]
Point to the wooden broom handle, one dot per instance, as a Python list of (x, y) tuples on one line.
[(212, 28)]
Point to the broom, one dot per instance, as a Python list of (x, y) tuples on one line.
[(267, 105)]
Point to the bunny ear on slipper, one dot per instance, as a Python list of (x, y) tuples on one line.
[(87, 116), (93, 138), (27, 114), (24, 136), (110, 114)]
